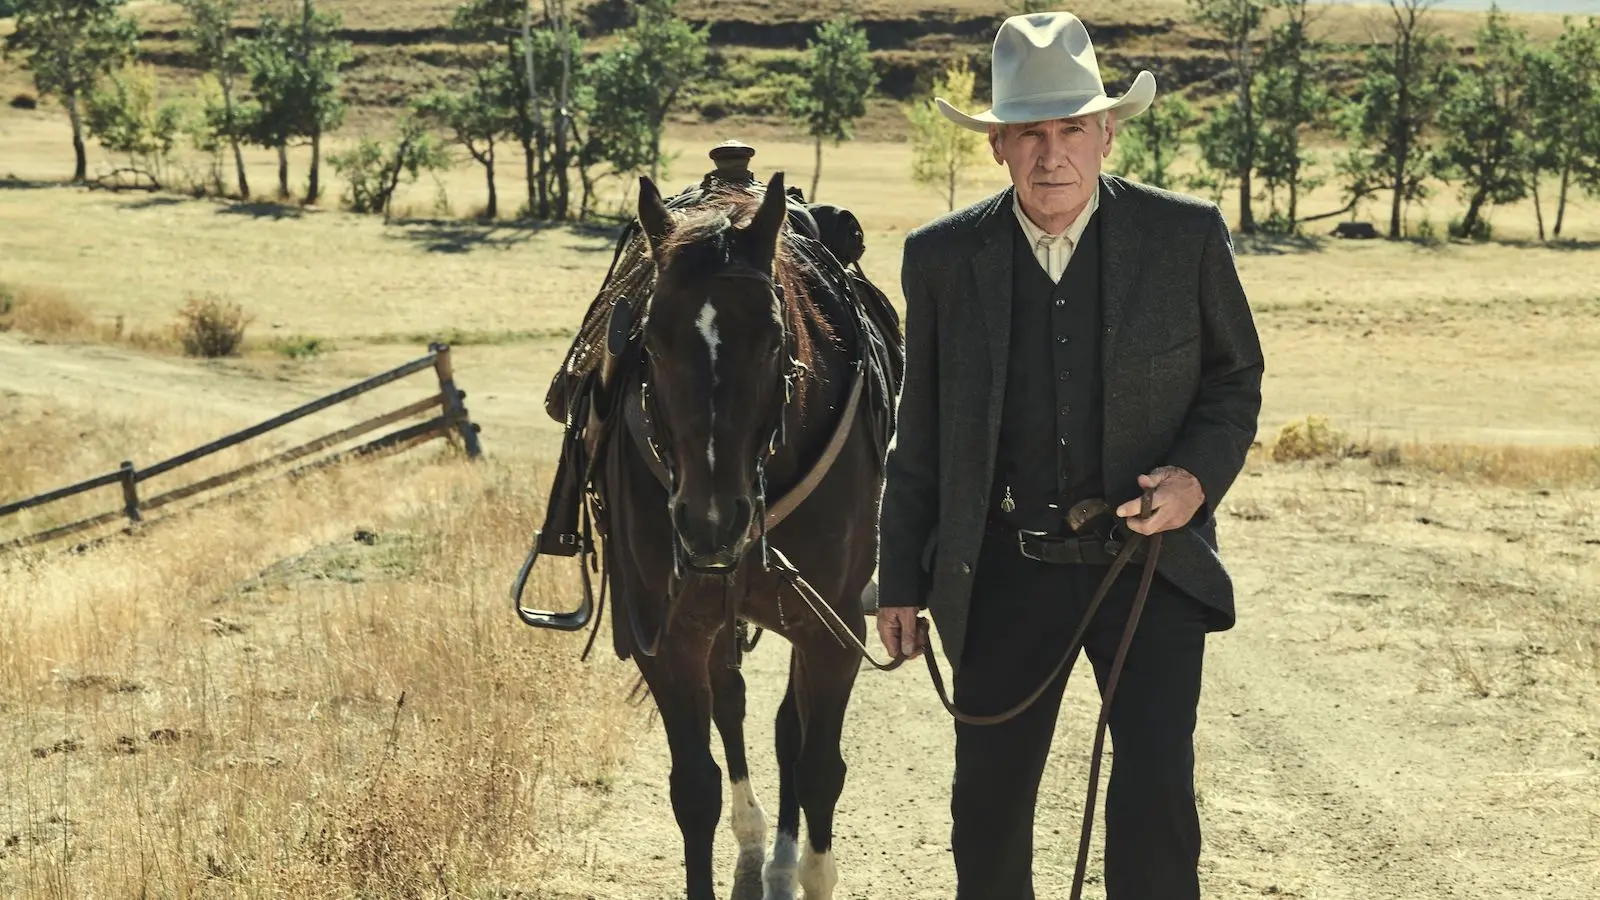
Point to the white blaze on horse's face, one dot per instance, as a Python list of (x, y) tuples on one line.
[(706, 324)]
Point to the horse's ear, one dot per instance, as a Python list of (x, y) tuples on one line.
[(762, 233), (653, 214)]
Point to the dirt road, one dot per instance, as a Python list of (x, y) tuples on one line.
[(1346, 745)]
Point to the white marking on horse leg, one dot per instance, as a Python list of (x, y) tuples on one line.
[(750, 830), (706, 323), (780, 875), (818, 874), (749, 820)]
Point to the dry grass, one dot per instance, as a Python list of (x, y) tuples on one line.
[(216, 705), (50, 315), (43, 313), (1316, 439)]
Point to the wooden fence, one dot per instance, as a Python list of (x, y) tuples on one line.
[(452, 416)]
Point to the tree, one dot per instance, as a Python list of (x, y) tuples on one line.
[(614, 130), (1230, 142), (1291, 99), (1149, 144), (1397, 104), (838, 77), (69, 45), (476, 118), (1563, 101), (211, 29), (672, 53), (539, 64), (1485, 123), (373, 169), (127, 114), (294, 74), (943, 151)]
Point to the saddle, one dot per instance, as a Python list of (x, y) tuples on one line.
[(586, 393)]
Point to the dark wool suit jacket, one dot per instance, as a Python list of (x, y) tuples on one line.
[(1181, 367)]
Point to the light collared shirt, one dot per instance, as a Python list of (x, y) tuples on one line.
[(1054, 251)]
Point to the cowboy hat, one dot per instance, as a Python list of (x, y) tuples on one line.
[(1044, 68)]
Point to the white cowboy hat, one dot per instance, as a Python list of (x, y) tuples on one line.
[(1044, 68)]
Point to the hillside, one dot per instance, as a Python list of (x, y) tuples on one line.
[(404, 47)]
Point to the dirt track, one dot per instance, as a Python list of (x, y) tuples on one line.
[(1344, 748), (1407, 709)]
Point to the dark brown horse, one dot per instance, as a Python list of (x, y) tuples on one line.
[(747, 429)]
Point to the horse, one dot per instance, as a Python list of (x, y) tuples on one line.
[(746, 407)]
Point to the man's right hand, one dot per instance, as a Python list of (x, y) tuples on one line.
[(901, 631)]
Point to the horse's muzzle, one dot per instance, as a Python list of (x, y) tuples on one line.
[(715, 541)]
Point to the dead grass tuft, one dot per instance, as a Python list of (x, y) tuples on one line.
[(1308, 439), (211, 327), (48, 314), (1510, 465), (44, 313)]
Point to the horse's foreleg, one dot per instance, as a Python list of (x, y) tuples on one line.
[(749, 821), (828, 676), (781, 869), (678, 679)]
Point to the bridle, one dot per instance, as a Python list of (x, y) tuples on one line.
[(777, 431)]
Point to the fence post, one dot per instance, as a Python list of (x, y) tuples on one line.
[(454, 407), (130, 492)]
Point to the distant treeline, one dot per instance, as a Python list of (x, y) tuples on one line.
[(1496, 122)]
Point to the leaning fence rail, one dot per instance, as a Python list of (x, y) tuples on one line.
[(453, 416)]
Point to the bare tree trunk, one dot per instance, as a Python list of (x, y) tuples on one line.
[(283, 171), (493, 209), (1247, 220), (1538, 205), (1469, 222), (80, 169), (538, 199), (233, 138), (1561, 197), (816, 172), (315, 186), (563, 114)]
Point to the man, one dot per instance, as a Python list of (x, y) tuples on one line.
[(1074, 338)]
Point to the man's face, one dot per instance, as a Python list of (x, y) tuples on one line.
[(1056, 164)]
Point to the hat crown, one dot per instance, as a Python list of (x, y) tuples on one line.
[(1043, 54), (1044, 68)]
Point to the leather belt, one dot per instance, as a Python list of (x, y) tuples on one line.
[(1071, 550)]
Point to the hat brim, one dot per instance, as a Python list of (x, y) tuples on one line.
[(1136, 100)]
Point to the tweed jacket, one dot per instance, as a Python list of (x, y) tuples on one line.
[(1181, 371)]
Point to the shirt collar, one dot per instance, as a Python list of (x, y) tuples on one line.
[(1038, 236)]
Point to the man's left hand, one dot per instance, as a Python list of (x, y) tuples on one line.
[(1176, 496)]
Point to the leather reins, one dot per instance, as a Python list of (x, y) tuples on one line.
[(846, 637)]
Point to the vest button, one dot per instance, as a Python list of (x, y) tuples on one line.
[(966, 569)]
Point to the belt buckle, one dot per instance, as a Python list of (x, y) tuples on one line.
[(1022, 543)]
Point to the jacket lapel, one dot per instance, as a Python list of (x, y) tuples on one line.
[(991, 270), (1119, 257)]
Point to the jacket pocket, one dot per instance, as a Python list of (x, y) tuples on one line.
[(930, 547)]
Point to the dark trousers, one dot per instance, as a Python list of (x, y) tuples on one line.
[(1022, 616)]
